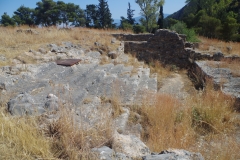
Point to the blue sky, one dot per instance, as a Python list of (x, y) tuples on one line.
[(118, 8)]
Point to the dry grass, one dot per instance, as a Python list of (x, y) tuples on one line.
[(212, 111), (21, 139), (161, 71), (227, 48), (204, 123), (12, 43), (165, 124), (71, 140), (214, 122)]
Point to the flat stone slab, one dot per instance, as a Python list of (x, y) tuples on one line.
[(44, 87), (174, 154), (67, 62), (223, 78)]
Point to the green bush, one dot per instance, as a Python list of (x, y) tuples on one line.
[(181, 28), (127, 26), (138, 29), (236, 38), (209, 26)]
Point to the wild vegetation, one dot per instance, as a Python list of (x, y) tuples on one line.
[(205, 122), (210, 44), (210, 18), (15, 43), (50, 13)]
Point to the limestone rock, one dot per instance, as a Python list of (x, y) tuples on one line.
[(52, 103), (106, 153), (42, 50), (174, 154), (222, 78), (113, 54), (121, 121), (24, 104), (130, 145), (113, 40), (2, 58)]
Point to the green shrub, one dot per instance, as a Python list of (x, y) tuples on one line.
[(138, 29), (181, 28), (236, 38), (127, 26)]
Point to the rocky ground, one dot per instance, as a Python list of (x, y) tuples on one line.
[(223, 75), (45, 87)]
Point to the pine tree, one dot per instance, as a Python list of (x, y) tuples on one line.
[(104, 15), (130, 15), (91, 15), (7, 20), (47, 13), (24, 15), (161, 16)]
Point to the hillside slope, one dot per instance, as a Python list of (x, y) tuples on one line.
[(213, 19)]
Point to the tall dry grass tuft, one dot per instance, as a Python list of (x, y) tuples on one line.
[(166, 124), (74, 140), (214, 122), (205, 122), (212, 111), (20, 138)]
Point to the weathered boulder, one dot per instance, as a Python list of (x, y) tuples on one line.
[(58, 49), (106, 153), (52, 103), (42, 50), (130, 145), (113, 54), (174, 154), (113, 40), (2, 58), (24, 104), (121, 121), (218, 56)]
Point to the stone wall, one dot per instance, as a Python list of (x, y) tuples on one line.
[(172, 49), (166, 46), (133, 37)]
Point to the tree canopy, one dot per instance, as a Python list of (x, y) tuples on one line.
[(6, 20), (52, 13), (212, 18), (149, 10), (104, 16)]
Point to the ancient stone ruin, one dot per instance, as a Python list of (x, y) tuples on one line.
[(68, 75), (172, 48)]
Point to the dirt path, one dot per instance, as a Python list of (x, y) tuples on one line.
[(178, 85)]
